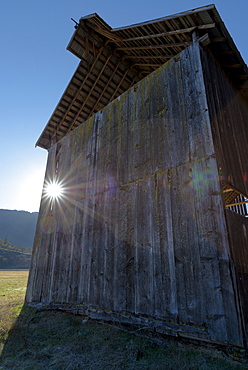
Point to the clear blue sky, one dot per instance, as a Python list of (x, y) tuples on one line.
[(35, 69)]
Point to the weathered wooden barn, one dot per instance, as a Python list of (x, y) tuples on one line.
[(149, 142)]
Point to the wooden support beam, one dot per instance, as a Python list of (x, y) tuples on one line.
[(110, 35), (149, 56), (242, 77), (103, 57), (170, 33), (236, 204), (227, 52), (232, 65), (119, 84), (162, 46), (218, 39), (106, 86), (89, 93), (204, 40), (243, 86), (194, 35), (206, 26), (80, 89), (147, 64)]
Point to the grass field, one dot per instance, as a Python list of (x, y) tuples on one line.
[(33, 339), (12, 290)]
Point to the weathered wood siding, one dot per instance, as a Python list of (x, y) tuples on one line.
[(229, 121), (140, 233), (228, 113), (238, 234)]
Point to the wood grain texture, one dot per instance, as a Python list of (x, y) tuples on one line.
[(228, 113), (140, 232), (229, 117), (238, 227)]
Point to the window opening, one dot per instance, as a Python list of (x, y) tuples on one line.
[(234, 199)]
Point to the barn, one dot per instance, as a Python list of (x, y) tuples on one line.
[(149, 143)]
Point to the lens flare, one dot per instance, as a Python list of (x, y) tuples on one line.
[(54, 190)]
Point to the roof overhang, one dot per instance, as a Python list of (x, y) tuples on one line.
[(113, 60)]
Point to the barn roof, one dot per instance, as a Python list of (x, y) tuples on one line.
[(113, 60)]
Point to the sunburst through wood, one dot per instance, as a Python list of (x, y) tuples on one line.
[(54, 190)]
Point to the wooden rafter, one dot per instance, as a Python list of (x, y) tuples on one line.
[(156, 65), (230, 193), (164, 34), (104, 32), (150, 47), (119, 84), (149, 56), (89, 94), (106, 86), (218, 39), (169, 33), (80, 89), (237, 203), (232, 65)]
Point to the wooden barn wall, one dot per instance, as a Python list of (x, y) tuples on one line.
[(229, 122), (238, 234), (140, 233)]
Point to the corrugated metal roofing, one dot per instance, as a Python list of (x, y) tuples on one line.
[(113, 60)]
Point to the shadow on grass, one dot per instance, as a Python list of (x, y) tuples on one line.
[(42, 339)]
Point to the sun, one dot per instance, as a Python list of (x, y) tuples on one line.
[(54, 190)]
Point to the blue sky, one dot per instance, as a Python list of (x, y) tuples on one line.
[(35, 68)]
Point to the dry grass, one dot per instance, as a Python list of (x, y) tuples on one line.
[(39, 339), (12, 290)]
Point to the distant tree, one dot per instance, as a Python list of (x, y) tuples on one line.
[(6, 242)]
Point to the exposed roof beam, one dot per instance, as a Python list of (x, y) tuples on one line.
[(149, 56), (172, 45), (171, 17), (147, 64), (79, 90), (106, 86), (110, 35), (232, 65), (229, 52), (170, 33), (244, 86), (90, 92), (119, 84), (218, 39), (242, 77)]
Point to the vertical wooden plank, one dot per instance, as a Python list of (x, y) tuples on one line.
[(166, 295), (238, 227), (228, 113), (174, 115), (196, 108), (189, 293)]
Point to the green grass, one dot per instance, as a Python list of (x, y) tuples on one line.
[(39, 339), (12, 290)]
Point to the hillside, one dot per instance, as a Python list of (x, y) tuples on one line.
[(12, 257), (18, 227)]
